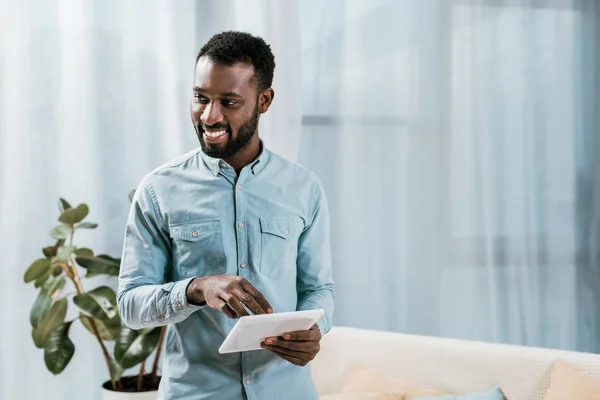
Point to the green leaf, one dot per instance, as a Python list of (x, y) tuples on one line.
[(50, 251), (74, 215), (60, 232), (52, 320), (84, 252), (133, 346), (63, 205), (100, 303), (87, 225), (36, 269), (50, 290), (64, 252), (108, 330), (59, 349), (101, 264), (57, 270), (42, 279), (116, 370)]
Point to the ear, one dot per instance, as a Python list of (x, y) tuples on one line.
[(265, 99)]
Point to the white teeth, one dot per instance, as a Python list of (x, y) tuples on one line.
[(214, 134)]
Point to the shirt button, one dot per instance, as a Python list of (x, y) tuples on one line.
[(243, 265), (179, 305), (216, 170), (162, 317), (247, 381), (195, 234), (241, 225), (223, 165), (285, 231), (239, 186)]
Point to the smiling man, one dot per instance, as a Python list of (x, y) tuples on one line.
[(227, 230)]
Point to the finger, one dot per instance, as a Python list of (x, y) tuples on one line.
[(312, 334), (234, 304), (225, 309), (296, 359), (250, 302), (312, 347), (264, 304)]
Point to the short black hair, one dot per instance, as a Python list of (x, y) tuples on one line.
[(233, 47)]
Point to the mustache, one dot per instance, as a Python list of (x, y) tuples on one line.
[(216, 127)]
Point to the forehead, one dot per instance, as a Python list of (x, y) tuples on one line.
[(215, 78)]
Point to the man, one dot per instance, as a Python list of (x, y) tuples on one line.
[(232, 229)]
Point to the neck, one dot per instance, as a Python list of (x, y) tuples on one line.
[(245, 156)]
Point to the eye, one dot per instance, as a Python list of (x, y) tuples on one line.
[(200, 99), (229, 103)]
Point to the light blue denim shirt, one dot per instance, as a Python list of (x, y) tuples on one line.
[(193, 217)]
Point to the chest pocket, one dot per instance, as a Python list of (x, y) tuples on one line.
[(278, 247), (198, 247)]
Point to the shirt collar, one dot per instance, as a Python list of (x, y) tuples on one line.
[(216, 164)]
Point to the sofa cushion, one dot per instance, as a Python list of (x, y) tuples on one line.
[(570, 382), (360, 379), (493, 394), (363, 396)]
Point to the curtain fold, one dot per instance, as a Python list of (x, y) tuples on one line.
[(458, 145), (93, 95)]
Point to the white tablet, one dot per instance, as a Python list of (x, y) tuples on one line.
[(250, 331)]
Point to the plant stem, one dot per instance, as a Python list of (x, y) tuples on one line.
[(75, 278), (140, 377), (161, 338), (67, 270)]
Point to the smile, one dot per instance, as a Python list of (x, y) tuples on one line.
[(215, 137), (214, 134)]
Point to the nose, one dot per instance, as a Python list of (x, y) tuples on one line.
[(211, 114)]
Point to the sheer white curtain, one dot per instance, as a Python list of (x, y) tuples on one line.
[(458, 141), (93, 95)]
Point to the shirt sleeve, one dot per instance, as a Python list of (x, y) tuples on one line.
[(143, 298), (315, 284)]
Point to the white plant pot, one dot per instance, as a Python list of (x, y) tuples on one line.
[(111, 395)]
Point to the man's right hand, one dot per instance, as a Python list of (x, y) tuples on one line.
[(228, 294)]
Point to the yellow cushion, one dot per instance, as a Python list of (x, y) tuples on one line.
[(360, 379), (572, 383), (363, 396)]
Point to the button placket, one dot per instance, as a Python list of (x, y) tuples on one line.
[(242, 248)]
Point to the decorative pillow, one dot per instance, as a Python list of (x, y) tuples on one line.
[(363, 396), (493, 394), (360, 379), (570, 382)]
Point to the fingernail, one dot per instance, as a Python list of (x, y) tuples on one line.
[(268, 341), (269, 310), (287, 337)]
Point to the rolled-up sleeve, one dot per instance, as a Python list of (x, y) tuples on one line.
[(143, 299), (315, 284)]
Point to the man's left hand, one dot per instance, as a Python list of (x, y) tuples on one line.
[(299, 347)]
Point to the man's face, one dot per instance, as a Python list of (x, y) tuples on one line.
[(224, 107)]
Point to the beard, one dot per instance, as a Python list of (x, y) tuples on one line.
[(233, 145)]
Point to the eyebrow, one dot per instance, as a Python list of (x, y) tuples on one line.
[(225, 94)]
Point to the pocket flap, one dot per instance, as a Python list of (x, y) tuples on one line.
[(275, 226), (195, 230)]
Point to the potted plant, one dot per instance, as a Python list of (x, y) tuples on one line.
[(61, 267)]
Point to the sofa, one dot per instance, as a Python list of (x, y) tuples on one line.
[(444, 366)]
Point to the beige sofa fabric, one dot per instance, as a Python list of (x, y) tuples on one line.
[(360, 379), (450, 365), (568, 382), (363, 396)]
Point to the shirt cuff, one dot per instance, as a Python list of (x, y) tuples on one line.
[(179, 301), (321, 323)]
